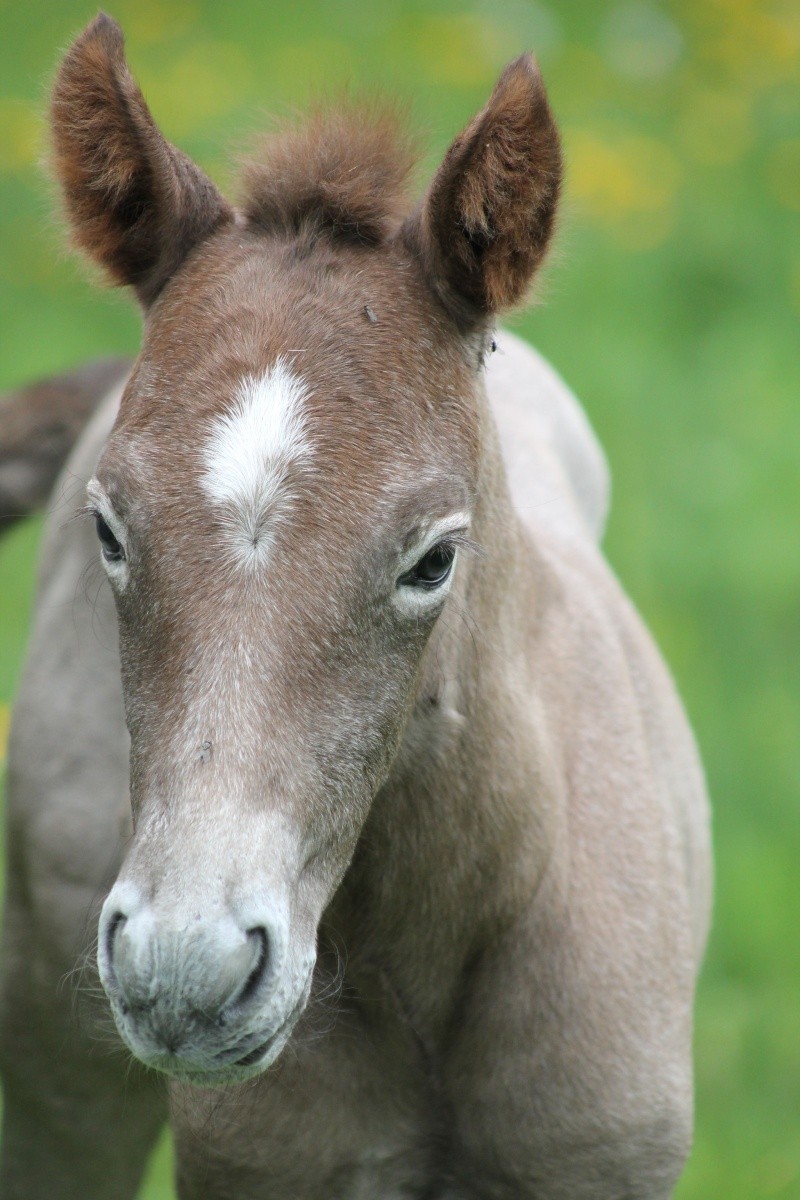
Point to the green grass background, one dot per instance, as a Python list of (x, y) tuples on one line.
[(671, 306)]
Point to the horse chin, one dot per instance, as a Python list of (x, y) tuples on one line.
[(208, 1066), (226, 1076)]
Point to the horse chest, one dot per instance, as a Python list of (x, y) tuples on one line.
[(350, 1113)]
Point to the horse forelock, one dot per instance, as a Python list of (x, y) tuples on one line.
[(343, 171)]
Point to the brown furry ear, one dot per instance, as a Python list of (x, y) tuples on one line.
[(136, 205), (484, 226)]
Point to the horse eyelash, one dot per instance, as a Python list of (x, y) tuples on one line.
[(460, 541), (85, 512)]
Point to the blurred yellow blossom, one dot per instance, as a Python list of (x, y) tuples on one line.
[(756, 41), (20, 134), (627, 182), (207, 79), (463, 48), (151, 21), (716, 126), (5, 721), (783, 173)]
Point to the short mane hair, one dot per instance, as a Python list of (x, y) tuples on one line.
[(342, 171)]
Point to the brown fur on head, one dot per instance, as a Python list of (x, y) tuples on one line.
[(343, 172), (136, 204)]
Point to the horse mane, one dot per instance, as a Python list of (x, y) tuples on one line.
[(342, 171)]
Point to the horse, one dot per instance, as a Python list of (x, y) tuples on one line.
[(383, 802)]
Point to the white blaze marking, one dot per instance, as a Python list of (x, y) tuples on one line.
[(249, 455)]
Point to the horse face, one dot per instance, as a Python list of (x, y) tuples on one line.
[(284, 511)]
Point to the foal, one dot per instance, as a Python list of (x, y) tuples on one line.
[(390, 714)]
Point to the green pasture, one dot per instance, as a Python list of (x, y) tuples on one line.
[(672, 305)]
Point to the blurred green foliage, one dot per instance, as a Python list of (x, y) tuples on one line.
[(672, 306)]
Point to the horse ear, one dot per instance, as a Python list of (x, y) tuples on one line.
[(485, 223), (136, 204)]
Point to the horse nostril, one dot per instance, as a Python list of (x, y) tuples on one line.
[(258, 934), (116, 922)]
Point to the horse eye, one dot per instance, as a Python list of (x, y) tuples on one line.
[(432, 569), (111, 549)]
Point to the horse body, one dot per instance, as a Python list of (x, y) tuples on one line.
[(419, 866)]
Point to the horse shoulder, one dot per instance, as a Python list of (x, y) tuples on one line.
[(552, 455), (613, 683), (636, 803)]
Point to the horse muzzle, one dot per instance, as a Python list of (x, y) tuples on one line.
[(207, 997)]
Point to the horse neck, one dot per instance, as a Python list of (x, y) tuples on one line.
[(435, 870)]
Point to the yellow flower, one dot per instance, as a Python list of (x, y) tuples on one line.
[(5, 721), (626, 182), (20, 135), (208, 79), (716, 126), (783, 173)]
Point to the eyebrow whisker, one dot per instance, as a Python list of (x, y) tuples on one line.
[(463, 542), (86, 511)]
